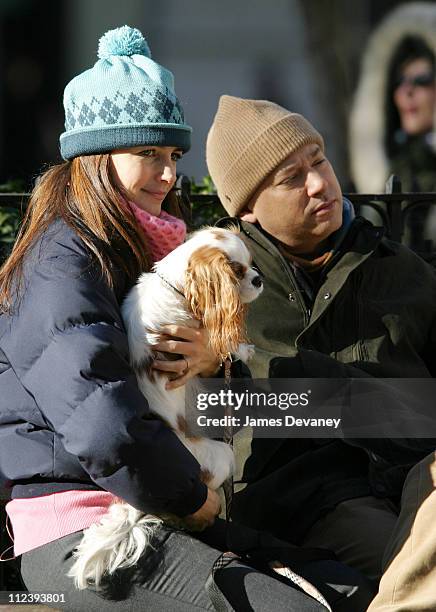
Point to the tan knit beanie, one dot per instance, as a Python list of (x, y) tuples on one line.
[(247, 140)]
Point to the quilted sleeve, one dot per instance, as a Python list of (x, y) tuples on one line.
[(76, 367)]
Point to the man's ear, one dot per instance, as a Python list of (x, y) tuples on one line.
[(248, 214)]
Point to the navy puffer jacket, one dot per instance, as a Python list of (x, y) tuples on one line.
[(71, 413)]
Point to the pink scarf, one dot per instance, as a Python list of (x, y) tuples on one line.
[(164, 233)]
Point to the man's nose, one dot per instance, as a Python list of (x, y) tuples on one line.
[(315, 183)]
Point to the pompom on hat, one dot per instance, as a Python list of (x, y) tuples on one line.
[(247, 140), (125, 100)]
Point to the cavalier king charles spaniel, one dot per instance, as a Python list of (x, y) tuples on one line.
[(207, 281)]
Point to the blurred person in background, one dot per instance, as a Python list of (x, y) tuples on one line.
[(393, 114)]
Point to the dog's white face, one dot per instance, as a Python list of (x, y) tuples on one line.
[(248, 278), (203, 247)]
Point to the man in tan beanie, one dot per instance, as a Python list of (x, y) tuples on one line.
[(334, 305)]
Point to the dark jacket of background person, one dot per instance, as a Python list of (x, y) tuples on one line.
[(72, 416), (373, 315), (378, 146)]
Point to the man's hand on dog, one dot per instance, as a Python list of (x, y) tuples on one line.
[(193, 344)]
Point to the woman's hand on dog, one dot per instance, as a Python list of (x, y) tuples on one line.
[(205, 516), (193, 344)]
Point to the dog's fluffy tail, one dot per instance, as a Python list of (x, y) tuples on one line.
[(116, 542)]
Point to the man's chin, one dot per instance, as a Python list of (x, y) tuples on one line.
[(327, 228), (336, 220)]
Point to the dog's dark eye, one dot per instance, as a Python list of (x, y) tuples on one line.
[(238, 269), (256, 269)]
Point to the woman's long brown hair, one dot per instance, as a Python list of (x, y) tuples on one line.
[(82, 193)]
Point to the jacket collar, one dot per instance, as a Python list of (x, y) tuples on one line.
[(357, 245)]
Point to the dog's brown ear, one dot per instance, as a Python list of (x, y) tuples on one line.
[(212, 291)]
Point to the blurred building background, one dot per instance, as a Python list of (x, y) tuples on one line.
[(303, 54)]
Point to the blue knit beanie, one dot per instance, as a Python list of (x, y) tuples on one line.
[(124, 101)]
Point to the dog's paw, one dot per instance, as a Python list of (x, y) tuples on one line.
[(245, 352), (224, 465)]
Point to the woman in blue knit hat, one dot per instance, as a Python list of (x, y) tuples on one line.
[(73, 437)]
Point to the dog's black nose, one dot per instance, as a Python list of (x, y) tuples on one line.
[(257, 282)]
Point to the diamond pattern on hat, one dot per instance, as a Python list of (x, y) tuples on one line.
[(70, 121), (136, 106), (145, 106), (178, 114), (163, 105), (86, 116), (109, 111)]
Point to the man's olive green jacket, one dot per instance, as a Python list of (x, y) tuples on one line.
[(374, 315)]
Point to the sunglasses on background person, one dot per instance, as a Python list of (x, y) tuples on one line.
[(419, 80)]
